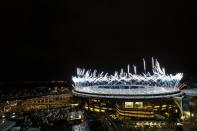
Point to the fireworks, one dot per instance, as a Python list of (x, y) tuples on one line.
[(158, 78), (127, 82)]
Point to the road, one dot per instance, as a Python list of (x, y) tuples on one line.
[(107, 122)]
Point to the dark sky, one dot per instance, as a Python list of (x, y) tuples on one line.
[(48, 39)]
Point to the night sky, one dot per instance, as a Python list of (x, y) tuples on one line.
[(48, 39)]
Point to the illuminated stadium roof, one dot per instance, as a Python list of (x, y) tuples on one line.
[(127, 84)]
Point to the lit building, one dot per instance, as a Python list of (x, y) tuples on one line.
[(130, 95)]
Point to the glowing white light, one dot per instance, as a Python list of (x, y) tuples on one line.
[(126, 81), (135, 69), (144, 62)]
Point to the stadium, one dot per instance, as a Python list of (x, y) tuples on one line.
[(150, 95)]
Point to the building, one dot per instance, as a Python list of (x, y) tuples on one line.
[(154, 96)]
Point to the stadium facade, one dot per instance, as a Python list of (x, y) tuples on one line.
[(150, 95)]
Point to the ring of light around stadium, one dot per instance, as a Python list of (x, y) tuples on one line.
[(127, 85)]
